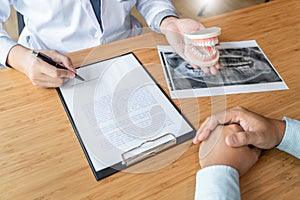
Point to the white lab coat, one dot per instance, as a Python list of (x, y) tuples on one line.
[(71, 25)]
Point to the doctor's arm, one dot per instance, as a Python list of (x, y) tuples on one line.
[(174, 30), (39, 72), (162, 17), (6, 43), (22, 59), (221, 166)]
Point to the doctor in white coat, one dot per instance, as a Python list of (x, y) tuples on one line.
[(72, 25)]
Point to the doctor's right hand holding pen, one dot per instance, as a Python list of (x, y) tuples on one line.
[(39, 72)]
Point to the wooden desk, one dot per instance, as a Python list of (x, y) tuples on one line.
[(40, 157)]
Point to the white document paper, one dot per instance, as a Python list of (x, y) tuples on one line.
[(244, 69), (118, 108)]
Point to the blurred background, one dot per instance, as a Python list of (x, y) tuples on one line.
[(195, 9)]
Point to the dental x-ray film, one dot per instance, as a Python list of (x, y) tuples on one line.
[(244, 69)]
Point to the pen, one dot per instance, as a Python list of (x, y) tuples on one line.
[(49, 60)]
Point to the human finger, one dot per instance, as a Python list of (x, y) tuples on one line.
[(61, 59), (205, 69), (54, 72), (209, 125), (62, 73), (244, 138), (45, 81), (193, 66), (250, 157), (231, 116), (213, 70), (205, 129), (48, 84), (257, 152)]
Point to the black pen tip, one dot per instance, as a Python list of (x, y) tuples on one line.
[(79, 77)]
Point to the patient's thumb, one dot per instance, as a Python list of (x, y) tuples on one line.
[(239, 139)]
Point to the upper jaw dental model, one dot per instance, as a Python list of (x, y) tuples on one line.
[(200, 47)]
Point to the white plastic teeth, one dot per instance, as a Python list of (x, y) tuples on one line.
[(200, 48), (205, 43), (203, 53)]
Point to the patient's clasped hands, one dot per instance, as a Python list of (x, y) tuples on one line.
[(238, 127), (214, 151)]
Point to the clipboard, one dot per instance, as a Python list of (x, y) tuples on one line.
[(147, 148)]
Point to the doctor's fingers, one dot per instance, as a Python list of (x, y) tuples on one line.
[(215, 68), (211, 69), (208, 69), (61, 59), (205, 69), (42, 67), (45, 81)]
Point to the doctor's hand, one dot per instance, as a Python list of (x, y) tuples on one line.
[(39, 72), (214, 151), (260, 131), (174, 30)]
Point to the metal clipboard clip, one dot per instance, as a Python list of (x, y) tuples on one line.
[(148, 149)]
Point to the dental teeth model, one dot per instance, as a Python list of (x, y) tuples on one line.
[(200, 46)]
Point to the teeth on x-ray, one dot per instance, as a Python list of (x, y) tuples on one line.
[(236, 61), (244, 66)]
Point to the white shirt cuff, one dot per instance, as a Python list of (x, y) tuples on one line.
[(5, 46), (217, 182), (155, 25)]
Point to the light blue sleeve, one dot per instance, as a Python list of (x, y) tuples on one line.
[(218, 182), (291, 139)]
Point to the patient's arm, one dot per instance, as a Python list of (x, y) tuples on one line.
[(214, 151)]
